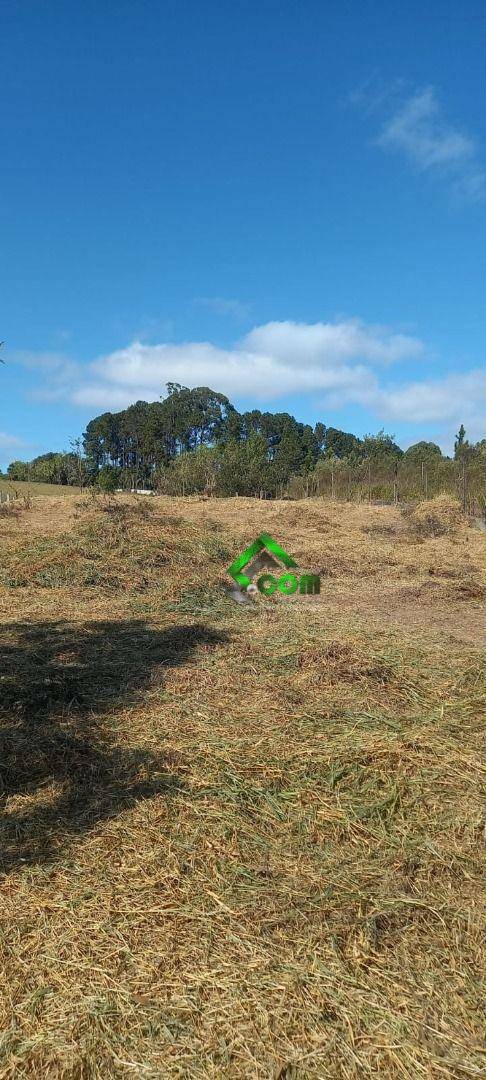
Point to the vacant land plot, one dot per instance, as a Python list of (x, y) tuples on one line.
[(240, 841)]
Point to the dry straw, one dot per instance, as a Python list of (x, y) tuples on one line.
[(240, 842)]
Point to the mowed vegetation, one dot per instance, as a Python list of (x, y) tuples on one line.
[(240, 841)]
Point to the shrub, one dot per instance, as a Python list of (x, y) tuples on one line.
[(108, 478)]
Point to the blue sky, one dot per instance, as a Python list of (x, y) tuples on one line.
[(284, 201)]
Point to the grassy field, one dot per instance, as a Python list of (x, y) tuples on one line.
[(25, 487), (240, 841)]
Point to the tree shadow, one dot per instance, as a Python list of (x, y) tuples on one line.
[(61, 771)]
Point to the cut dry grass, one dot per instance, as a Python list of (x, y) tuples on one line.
[(441, 516), (9, 510), (240, 842), (111, 546)]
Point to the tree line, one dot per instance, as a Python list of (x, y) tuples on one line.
[(196, 441)]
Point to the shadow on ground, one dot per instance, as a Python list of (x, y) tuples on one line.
[(60, 684)]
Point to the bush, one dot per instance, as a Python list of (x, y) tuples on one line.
[(108, 478)]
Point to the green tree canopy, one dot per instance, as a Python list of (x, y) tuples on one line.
[(423, 451)]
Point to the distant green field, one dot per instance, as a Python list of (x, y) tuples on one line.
[(23, 486)]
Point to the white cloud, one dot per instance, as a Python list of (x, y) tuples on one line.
[(56, 365), (339, 363), (10, 446), (58, 373), (332, 342), (454, 397), (61, 336), (443, 402), (7, 442), (376, 93), (271, 361), (220, 305), (418, 129)]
